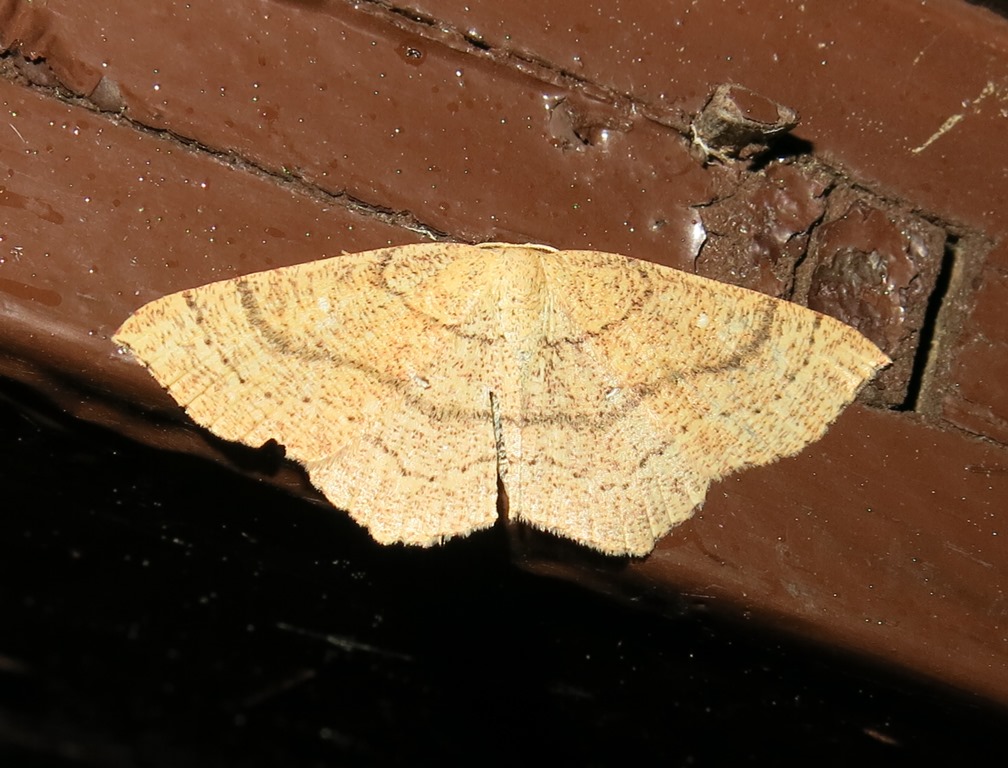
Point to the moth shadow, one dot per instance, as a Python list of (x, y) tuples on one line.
[(526, 542), (266, 460)]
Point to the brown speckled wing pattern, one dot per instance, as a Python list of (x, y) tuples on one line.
[(607, 392)]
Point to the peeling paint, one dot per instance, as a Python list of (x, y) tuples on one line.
[(989, 89)]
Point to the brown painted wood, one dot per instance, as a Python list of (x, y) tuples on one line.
[(150, 149)]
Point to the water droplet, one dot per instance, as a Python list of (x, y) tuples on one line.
[(411, 54)]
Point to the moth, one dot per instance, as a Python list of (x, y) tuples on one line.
[(600, 395)]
